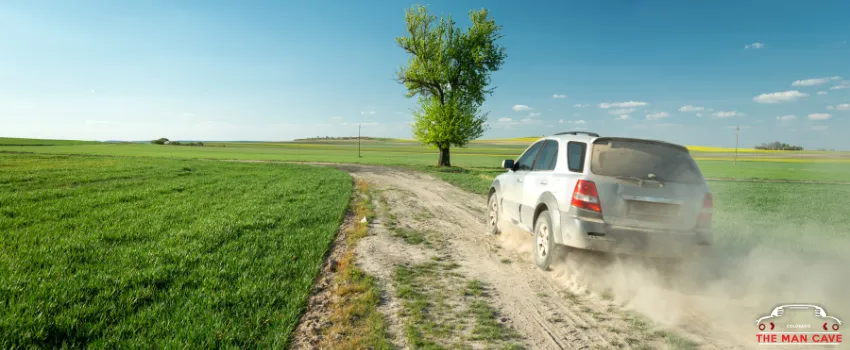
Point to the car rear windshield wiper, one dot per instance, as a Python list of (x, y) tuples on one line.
[(630, 178), (639, 181), (655, 178)]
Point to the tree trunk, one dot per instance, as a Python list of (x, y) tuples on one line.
[(444, 157)]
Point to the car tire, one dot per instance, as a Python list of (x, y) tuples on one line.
[(494, 214), (543, 242)]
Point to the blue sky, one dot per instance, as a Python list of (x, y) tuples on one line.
[(278, 70)]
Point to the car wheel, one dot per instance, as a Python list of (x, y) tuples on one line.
[(493, 214), (544, 242)]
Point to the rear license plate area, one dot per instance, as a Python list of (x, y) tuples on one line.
[(652, 211)]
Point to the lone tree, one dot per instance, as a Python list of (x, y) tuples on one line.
[(449, 70)]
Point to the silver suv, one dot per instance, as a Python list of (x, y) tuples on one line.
[(610, 194)]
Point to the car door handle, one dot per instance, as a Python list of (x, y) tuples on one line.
[(544, 182)]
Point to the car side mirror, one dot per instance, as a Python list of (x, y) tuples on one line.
[(508, 164)]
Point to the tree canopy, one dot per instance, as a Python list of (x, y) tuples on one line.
[(449, 70)]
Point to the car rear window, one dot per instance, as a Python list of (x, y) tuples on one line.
[(644, 160)]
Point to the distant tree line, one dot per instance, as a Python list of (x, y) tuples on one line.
[(780, 146), (338, 138), (165, 141)]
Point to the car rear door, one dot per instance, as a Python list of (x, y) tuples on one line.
[(539, 180), (647, 184), (512, 188)]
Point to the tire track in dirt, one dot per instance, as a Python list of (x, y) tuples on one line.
[(549, 313)]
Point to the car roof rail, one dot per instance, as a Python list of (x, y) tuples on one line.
[(593, 134)]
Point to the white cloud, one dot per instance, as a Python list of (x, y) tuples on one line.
[(533, 114), (623, 117), (367, 112), (690, 108), (336, 118), (820, 127), (787, 117), (656, 116), (839, 87), (812, 82), (843, 107), (522, 108), (821, 93), (829, 108), (755, 45), (505, 120), (777, 97), (835, 78), (578, 122), (581, 105), (727, 114), (187, 114), (559, 96), (628, 104), (622, 111), (699, 115), (819, 116)]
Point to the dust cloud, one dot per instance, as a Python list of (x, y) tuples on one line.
[(723, 290)]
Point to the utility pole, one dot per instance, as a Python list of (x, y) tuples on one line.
[(358, 139), (737, 128)]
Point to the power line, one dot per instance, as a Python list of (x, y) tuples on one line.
[(737, 128)]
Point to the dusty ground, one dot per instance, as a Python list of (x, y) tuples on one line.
[(548, 309), (586, 301), (308, 334)]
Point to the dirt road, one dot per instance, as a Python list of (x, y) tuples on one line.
[(434, 234), (549, 309)]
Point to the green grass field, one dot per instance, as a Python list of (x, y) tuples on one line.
[(155, 253), (486, 155), (6, 141), (139, 245), (807, 219)]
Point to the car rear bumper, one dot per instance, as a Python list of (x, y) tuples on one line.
[(596, 235)]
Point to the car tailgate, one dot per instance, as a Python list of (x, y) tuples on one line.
[(653, 205)]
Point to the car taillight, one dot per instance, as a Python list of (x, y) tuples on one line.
[(705, 213), (586, 197)]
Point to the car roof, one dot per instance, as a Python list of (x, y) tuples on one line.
[(570, 137), (590, 137)]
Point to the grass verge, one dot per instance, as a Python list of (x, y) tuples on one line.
[(356, 322)]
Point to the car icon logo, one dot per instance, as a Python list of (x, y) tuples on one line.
[(796, 332)]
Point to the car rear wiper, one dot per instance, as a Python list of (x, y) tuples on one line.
[(653, 177), (630, 178), (640, 181)]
